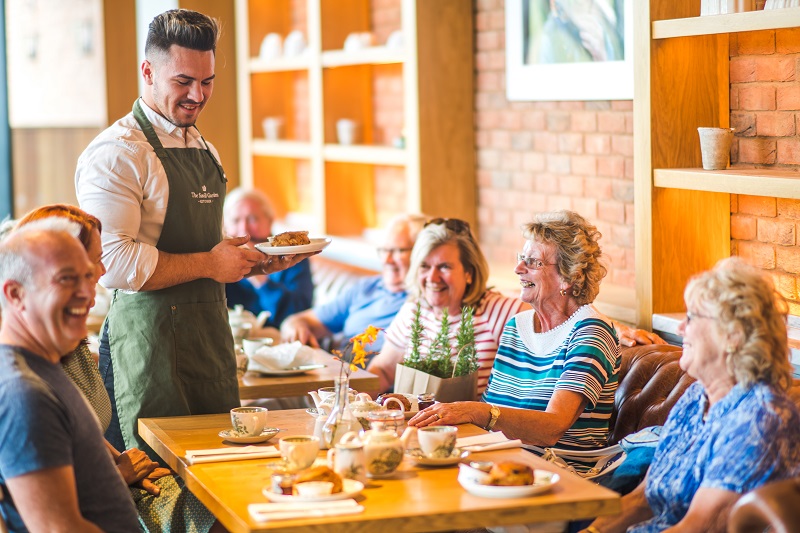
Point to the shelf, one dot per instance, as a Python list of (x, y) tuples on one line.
[(291, 149), (372, 155), (770, 19), (281, 64), (756, 182), (376, 55)]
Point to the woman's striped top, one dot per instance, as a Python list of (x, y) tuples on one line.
[(580, 355)]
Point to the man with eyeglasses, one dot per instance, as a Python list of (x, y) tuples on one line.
[(371, 301)]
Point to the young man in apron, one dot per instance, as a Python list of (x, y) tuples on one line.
[(158, 188)]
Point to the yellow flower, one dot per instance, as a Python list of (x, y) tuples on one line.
[(355, 354)]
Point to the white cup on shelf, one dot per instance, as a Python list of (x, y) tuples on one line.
[(294, 44), (271, 47), (358, 41), (273, 128), (395, 40), (347, 131)]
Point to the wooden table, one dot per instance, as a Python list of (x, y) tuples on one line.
[(253, 385), (414, 499)]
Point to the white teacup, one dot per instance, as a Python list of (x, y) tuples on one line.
[(249, 421), (437, 441), (395, 40), (251, 346), (271, 47), (299, 451), (294, 44), (358, 41), (347, 131)]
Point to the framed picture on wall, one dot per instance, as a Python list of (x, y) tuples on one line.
[(569, 49)]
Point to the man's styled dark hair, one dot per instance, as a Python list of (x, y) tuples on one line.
[(183, 27)]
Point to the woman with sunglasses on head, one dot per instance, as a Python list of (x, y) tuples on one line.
[(735, 428), (555, 374), (447, 272)]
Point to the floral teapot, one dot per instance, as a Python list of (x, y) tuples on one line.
[(383, 449), (361, 405)]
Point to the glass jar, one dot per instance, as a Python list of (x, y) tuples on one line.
[(391, 419), (426, 400)]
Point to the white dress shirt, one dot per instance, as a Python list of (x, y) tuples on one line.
[(120, 180)]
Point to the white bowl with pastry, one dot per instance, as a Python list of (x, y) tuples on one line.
[(506, 479), (292, 242)]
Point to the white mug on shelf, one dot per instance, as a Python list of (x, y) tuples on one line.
[(358, 41), (273, 128), (347, 131), (271, 47), (294, 44), (395, 40)]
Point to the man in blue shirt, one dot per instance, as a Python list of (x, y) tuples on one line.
[(371, 301), (281, 293), (53, 461)]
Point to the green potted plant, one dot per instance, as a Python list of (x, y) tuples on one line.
[(450, 372)]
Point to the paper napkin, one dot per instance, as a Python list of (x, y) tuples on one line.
[(266, 512), (282, 356), (495, 440), (215, 455)]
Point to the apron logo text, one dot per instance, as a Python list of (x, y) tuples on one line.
[(204, 197)]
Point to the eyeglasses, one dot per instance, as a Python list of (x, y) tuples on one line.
[(383, 253), (455, 225), (534, 263), (692, 316)]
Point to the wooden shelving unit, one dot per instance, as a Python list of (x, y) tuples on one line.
[(332, 186), (682, 82)]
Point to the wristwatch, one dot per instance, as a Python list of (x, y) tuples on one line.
[(495, 412)]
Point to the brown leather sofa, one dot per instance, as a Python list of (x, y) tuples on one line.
[(650, 383), (775, 504)]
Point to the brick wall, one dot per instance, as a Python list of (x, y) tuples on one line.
[(539, 156), (765, 106)]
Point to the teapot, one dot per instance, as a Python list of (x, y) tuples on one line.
[(242, 321), (361, 405), (383, 449), (325, 399)]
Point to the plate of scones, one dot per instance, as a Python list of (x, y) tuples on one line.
[(292, 242)]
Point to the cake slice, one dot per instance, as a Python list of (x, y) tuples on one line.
[(290, 238)]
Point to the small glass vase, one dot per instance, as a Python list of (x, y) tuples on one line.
[(341, 420)]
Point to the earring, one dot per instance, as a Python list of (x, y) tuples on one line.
[(563, 292)]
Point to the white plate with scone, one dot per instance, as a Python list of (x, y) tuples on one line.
[(315, 245)]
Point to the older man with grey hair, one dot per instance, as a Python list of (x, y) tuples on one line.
[(53, 460)]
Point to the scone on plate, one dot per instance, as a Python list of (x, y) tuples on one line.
[(290, 238), (320, 473), (510, 473)]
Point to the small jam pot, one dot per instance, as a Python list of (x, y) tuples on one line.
[(282, 483), (426, 400)]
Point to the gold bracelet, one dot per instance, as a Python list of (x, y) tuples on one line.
[(592, 529)]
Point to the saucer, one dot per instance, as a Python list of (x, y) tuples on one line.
[(455, 457), (231, 436)]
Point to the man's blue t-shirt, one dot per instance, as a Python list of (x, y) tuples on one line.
[(284, 293), (45, 422), (366, 302)]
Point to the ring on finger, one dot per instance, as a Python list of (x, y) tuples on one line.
[(438, 416)]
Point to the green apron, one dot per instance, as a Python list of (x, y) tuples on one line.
[(172, 349)]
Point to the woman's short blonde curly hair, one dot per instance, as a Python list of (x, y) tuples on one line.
[(751, 315), (577, 250)]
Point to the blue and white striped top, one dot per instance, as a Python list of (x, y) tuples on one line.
[(580, 355)]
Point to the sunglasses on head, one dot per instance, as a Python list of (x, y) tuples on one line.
[(455, 225)]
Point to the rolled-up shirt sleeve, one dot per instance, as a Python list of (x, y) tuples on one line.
[(112, 184)]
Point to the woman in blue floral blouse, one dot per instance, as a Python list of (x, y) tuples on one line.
[(733, 430)]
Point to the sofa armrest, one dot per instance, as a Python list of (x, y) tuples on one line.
[(650, 383), (775, 504)]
